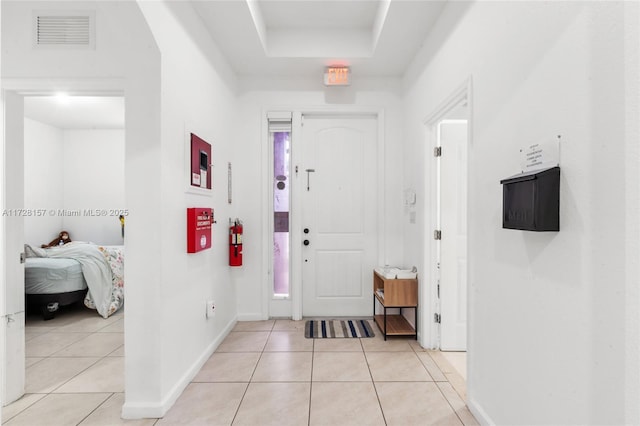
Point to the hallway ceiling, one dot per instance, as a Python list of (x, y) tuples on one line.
[(299, 38), (289, 39)]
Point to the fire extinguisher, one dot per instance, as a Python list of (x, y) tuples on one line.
[(235, 243)]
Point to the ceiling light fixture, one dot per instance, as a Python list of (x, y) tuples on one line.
[(62, 98)]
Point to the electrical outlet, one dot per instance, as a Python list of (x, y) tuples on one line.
[(211, 309)]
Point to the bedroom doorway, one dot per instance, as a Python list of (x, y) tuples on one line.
[(61, 146), (78, 144)]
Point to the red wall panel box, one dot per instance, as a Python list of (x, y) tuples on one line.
[(200, 162), (199, 220)]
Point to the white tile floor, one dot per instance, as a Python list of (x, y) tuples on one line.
[(75, 371), (263, 373), (458, 360)]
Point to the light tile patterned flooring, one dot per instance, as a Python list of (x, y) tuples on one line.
[(263, 373)]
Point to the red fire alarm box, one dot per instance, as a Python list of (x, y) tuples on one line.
[(199, 220)]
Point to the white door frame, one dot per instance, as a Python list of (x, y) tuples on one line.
[(428, 296), (44, 87), (295, 220), (12, 337)]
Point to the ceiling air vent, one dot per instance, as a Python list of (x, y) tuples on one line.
[(67, 29)]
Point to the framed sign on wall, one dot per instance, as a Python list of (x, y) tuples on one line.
[(201, 176)]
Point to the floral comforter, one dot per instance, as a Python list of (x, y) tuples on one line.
[(102, 267), (114, 256)]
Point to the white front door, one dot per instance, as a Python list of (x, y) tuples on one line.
[(12, 318), (453, 224), (338, 185)]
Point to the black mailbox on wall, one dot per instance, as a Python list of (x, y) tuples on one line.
[(531, 201)]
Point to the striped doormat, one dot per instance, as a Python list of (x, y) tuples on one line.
[(326, 329)]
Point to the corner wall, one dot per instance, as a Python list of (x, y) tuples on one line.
[(73, 170), (196, 96), (546, 310), (43, 180), (93, 173)]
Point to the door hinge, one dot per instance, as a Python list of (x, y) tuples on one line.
[(437, 235), (436, 318), (438, 289), (437, 151), (22, 257)]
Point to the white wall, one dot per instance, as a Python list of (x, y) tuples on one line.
[(546, 310), (73, 171), (632, 180), (195, 97), (43, 181), (167, 337), (94, 180), (126, 59), (3, 335), (250, 192)]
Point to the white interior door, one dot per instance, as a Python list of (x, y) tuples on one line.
[(453, 224), (12, 318), (338, 185)]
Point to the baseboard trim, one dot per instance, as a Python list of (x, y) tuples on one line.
[(479, 413), (251, 317), (154, 410)]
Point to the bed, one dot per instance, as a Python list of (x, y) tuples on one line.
[(60, 276), (50, 283)]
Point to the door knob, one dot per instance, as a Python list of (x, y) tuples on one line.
[(305, 242), (306, 230)]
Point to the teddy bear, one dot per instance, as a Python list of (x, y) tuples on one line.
[(62, 239)]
